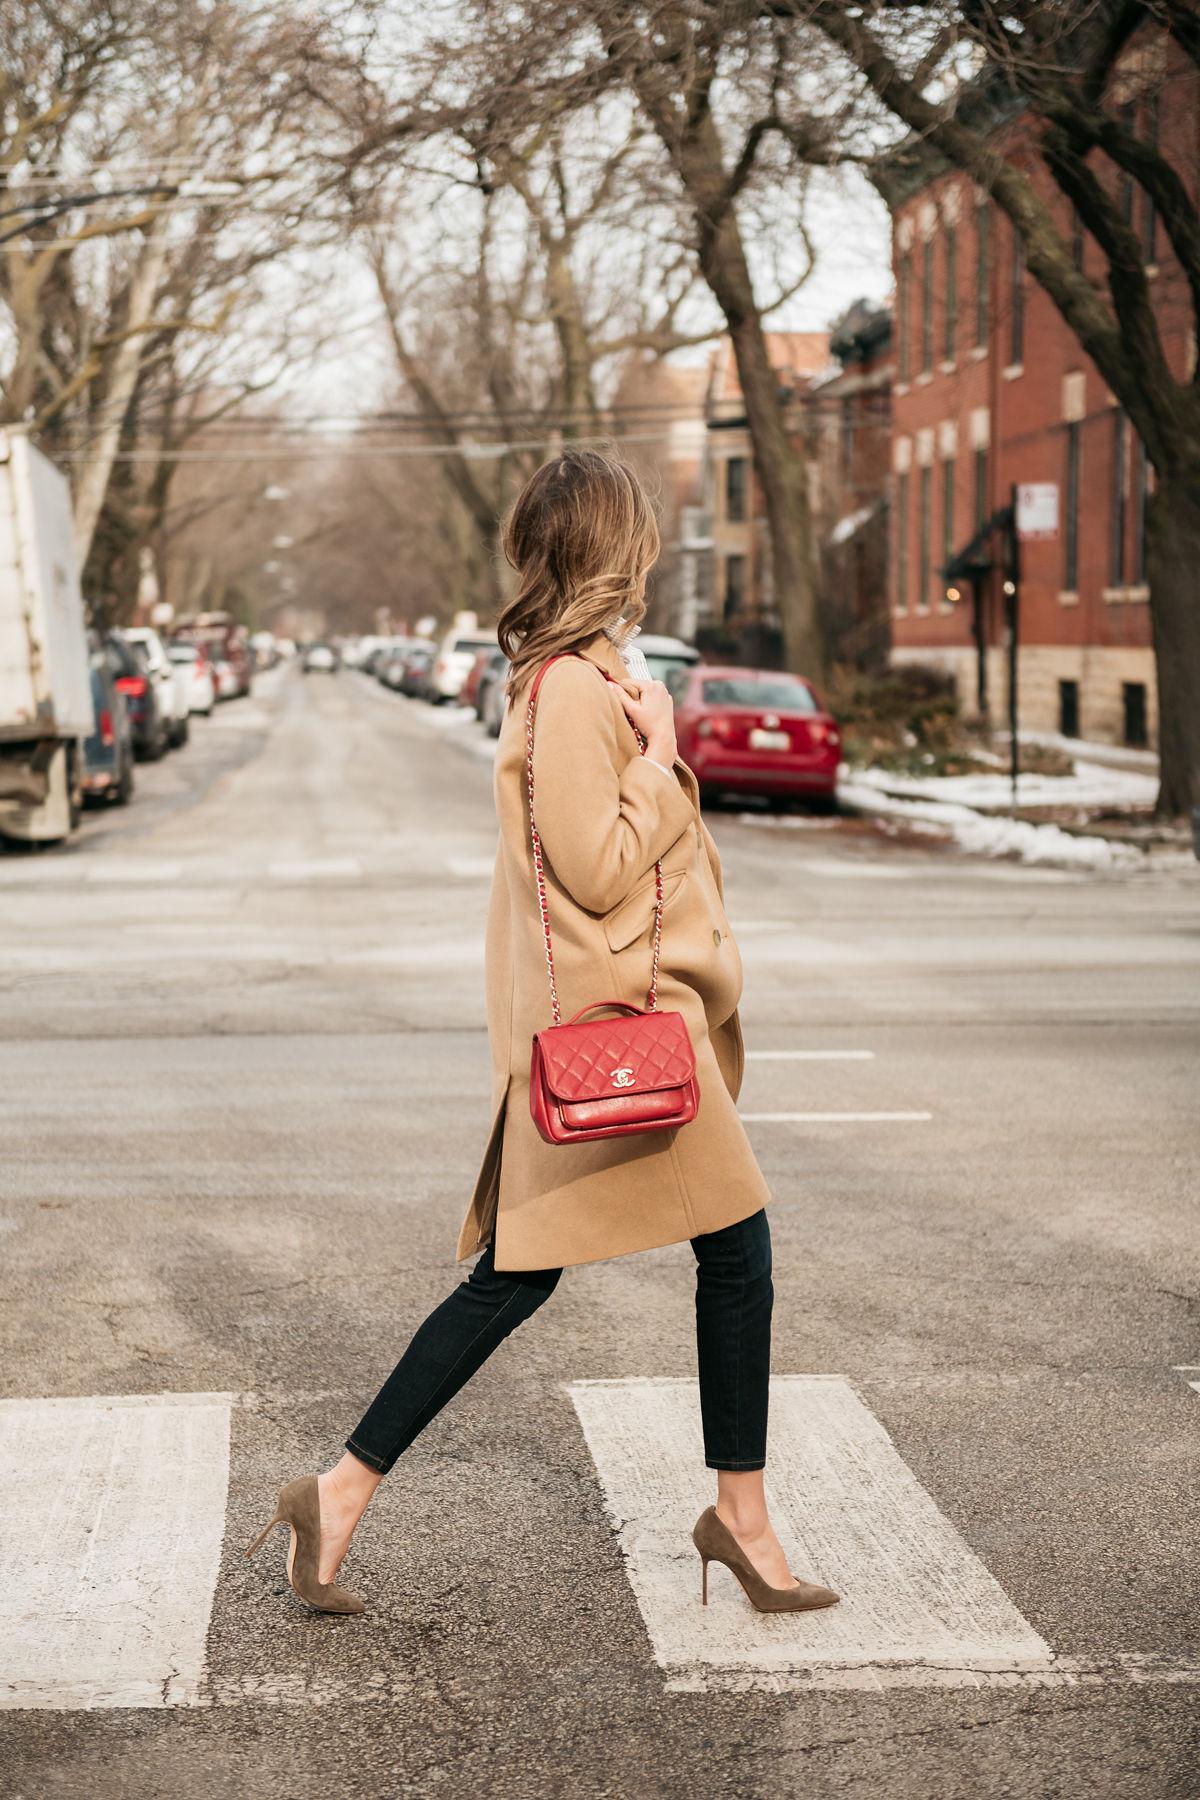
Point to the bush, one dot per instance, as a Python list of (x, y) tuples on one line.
[(904, 717)]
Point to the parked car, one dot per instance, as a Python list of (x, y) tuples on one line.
[(391, 661), (225, 643), (452, 664), (417, 665), (133, 678), (174, 700), (194, 671), (468, 693), (319, 659), (666, 654), (756, 731), (229, 686), (490, 697), (108, 752)]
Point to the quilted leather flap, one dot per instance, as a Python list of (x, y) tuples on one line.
[(602, 1057)]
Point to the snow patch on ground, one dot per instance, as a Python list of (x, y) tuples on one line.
[(1090, 785), (982, 835)]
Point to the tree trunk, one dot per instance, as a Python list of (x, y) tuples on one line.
[(580, 413), (1172, 560), (780, 464), (94, 473)]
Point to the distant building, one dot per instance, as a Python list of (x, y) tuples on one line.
[(658, 416), (742, 610), (991, 388), (850, 412)]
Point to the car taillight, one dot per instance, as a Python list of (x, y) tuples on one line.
[(106, 730), (132, 684), (823, 731), (714, 727)]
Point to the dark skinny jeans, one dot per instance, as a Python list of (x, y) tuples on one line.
[(733, 1343)]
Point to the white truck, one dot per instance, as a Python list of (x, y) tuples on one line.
[(46, 707)]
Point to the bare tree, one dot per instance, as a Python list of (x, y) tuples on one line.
[(154, 159), (1074, 69)]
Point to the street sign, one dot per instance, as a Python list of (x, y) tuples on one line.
[(1037, 510)]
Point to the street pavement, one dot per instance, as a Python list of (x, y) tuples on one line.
[(244, 1088)]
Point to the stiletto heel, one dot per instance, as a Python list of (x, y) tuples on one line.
[(266, 1532), (704, 1580), (716, 1543), (299, 1507)]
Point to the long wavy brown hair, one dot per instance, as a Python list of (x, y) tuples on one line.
[(582, 537)]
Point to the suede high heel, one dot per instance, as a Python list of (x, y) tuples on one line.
[(299, 1506), (716, 1543)]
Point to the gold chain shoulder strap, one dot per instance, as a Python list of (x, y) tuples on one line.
[(539, 871)]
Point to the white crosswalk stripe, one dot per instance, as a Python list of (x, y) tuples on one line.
[(115, 1507), (915, 1599), (114, 1512), (835, 1118)]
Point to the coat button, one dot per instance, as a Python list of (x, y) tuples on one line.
[(717, 938)]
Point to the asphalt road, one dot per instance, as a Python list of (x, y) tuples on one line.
[(244, 1088)]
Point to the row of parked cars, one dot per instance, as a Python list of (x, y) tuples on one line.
[(760, 732), (145, 689)]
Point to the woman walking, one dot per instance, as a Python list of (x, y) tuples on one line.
[(616, 893)]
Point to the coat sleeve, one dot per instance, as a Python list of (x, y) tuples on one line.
[(604, 816)]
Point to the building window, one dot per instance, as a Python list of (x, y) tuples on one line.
[(1141, 497), (981, 275), (925, 544), (849, 421), (735, 585), (735, 489), (1077, 237), (1068, 708), (1150, 217), (902, 543), (951, 315), (1016, 323), (1117, 558), (904, 308), (1133, 695), (981, 487), (927, 307), (1129, 121), (947, 510), (1071, 512)]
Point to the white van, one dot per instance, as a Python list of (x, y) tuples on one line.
[(454, 660)]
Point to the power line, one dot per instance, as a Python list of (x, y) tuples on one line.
[(472, 452)]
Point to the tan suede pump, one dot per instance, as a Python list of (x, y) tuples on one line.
[(716, 1543), (299, 1506)]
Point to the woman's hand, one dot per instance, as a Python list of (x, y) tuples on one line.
[(653, 713)]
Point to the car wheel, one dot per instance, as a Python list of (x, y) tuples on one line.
[(182, 732), (122, 794)]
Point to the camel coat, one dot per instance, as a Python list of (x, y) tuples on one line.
[(605, 815)]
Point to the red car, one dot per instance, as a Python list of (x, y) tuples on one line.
[(756, 731), (468, 693)]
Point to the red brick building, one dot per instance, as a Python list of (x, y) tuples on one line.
[(992, 388)]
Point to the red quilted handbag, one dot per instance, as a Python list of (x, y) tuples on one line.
[(609, 1077)]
